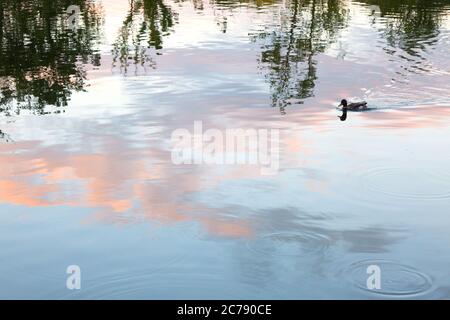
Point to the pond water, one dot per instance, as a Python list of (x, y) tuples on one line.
[(87, 176)]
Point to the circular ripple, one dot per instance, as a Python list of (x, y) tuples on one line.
[(181, 280), (290, 244), (397, 280), (407, 184)]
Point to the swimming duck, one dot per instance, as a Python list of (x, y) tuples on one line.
[(353, 106)]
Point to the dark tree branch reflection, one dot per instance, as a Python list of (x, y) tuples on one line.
[(41, 60), (142, 31), (288, 52), (412, 26)]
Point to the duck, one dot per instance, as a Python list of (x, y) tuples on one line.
[(353, 106)]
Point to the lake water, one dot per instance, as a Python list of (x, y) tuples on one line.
[(87, 177)]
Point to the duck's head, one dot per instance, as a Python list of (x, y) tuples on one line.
[(343, 103)]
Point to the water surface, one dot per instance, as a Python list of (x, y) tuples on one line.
[(86, 176)]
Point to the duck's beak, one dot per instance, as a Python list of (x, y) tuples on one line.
[(340, 105)]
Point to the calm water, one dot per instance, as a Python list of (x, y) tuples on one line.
[(86, 176)]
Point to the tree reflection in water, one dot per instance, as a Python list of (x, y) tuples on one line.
[(41, 60), (288, 51), (4, 137), (311, 26), (142, 31), (411, 26)]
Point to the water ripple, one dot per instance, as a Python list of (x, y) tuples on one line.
[(291, 244), (407, 184), (397, 280)]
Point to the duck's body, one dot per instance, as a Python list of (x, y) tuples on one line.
[(353, 106), (357, 105)]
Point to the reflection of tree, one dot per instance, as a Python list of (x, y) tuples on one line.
[(40, 59), (411, 25), (5, 137), (288, 52), (143, 29)]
